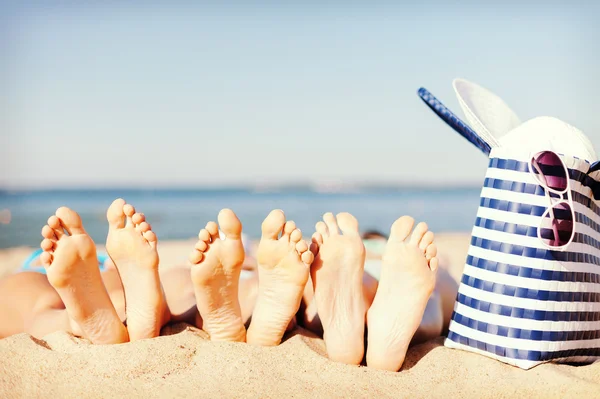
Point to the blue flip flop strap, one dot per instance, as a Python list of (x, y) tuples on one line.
[(35, 254), (101, 259), (27, 263), (454, 121)]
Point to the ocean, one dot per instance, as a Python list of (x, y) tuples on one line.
[(180, 214)]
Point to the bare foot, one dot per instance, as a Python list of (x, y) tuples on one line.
[(72, 269), (283, 269), (407, 280), (337, 275), (216, 274), (131, 245)]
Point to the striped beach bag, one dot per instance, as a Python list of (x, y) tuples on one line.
[(530, 289)]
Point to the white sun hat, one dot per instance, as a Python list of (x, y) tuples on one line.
[(492, 123)]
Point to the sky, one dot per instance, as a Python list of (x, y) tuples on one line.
[(180, 95)]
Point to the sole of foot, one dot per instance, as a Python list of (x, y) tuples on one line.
[(216, 267), (283, 268), (337, 276), (132, 246), (72, 268), (408, 275)]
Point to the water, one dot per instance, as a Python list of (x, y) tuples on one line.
[(180, 214)]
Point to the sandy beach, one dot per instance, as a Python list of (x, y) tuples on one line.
[(183, 363)]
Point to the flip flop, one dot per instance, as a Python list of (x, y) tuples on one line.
[(30, 266)]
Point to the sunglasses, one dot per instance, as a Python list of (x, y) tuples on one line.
[(556, 229)]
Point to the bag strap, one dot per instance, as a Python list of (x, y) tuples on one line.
[(454, 121)]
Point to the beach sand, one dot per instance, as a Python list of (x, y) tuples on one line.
[(183, 363)]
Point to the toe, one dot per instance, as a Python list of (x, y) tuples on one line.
[(150, 236), (322, 229), (433, 264), (301, 246), (431, 252), (288, 228), (230, 224), (418, 233), (138, 218), (196, 257), (213, 230), (47, 244), (129, 210), (303, 250), (46, 258), (57, 229), (295, 236), (144, 227), (70, 220), (318, 238), (307, 257), (115, 214), (331, 223), (426, 241), (201, 246), (204, 235), (348, 223), (48, 232), (315, 244), (314, 248), (273, 224), (401, 228)]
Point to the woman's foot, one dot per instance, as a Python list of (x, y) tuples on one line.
[(283, 268), (408, 274), (216, 267), (131, 244), (72, 268), (337, 276)]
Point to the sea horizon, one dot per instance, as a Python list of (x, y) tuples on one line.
[(179, 213), (320, 186)]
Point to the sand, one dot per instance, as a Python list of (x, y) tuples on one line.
[(183, 363)]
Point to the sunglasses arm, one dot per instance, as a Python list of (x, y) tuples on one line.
[(593, 183)]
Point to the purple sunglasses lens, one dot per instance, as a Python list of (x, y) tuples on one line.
[(558, 230), (550, 170)]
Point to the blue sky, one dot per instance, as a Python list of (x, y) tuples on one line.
[(182, 95)]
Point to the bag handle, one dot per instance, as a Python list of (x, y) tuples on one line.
[(454, 121)]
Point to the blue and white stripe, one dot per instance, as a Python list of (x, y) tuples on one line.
[(518, 301)]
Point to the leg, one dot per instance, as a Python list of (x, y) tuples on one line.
[(30, 304), (114, 286), (131, 244), (72, 270), (179, 294), (27, 295), (247, 294)]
